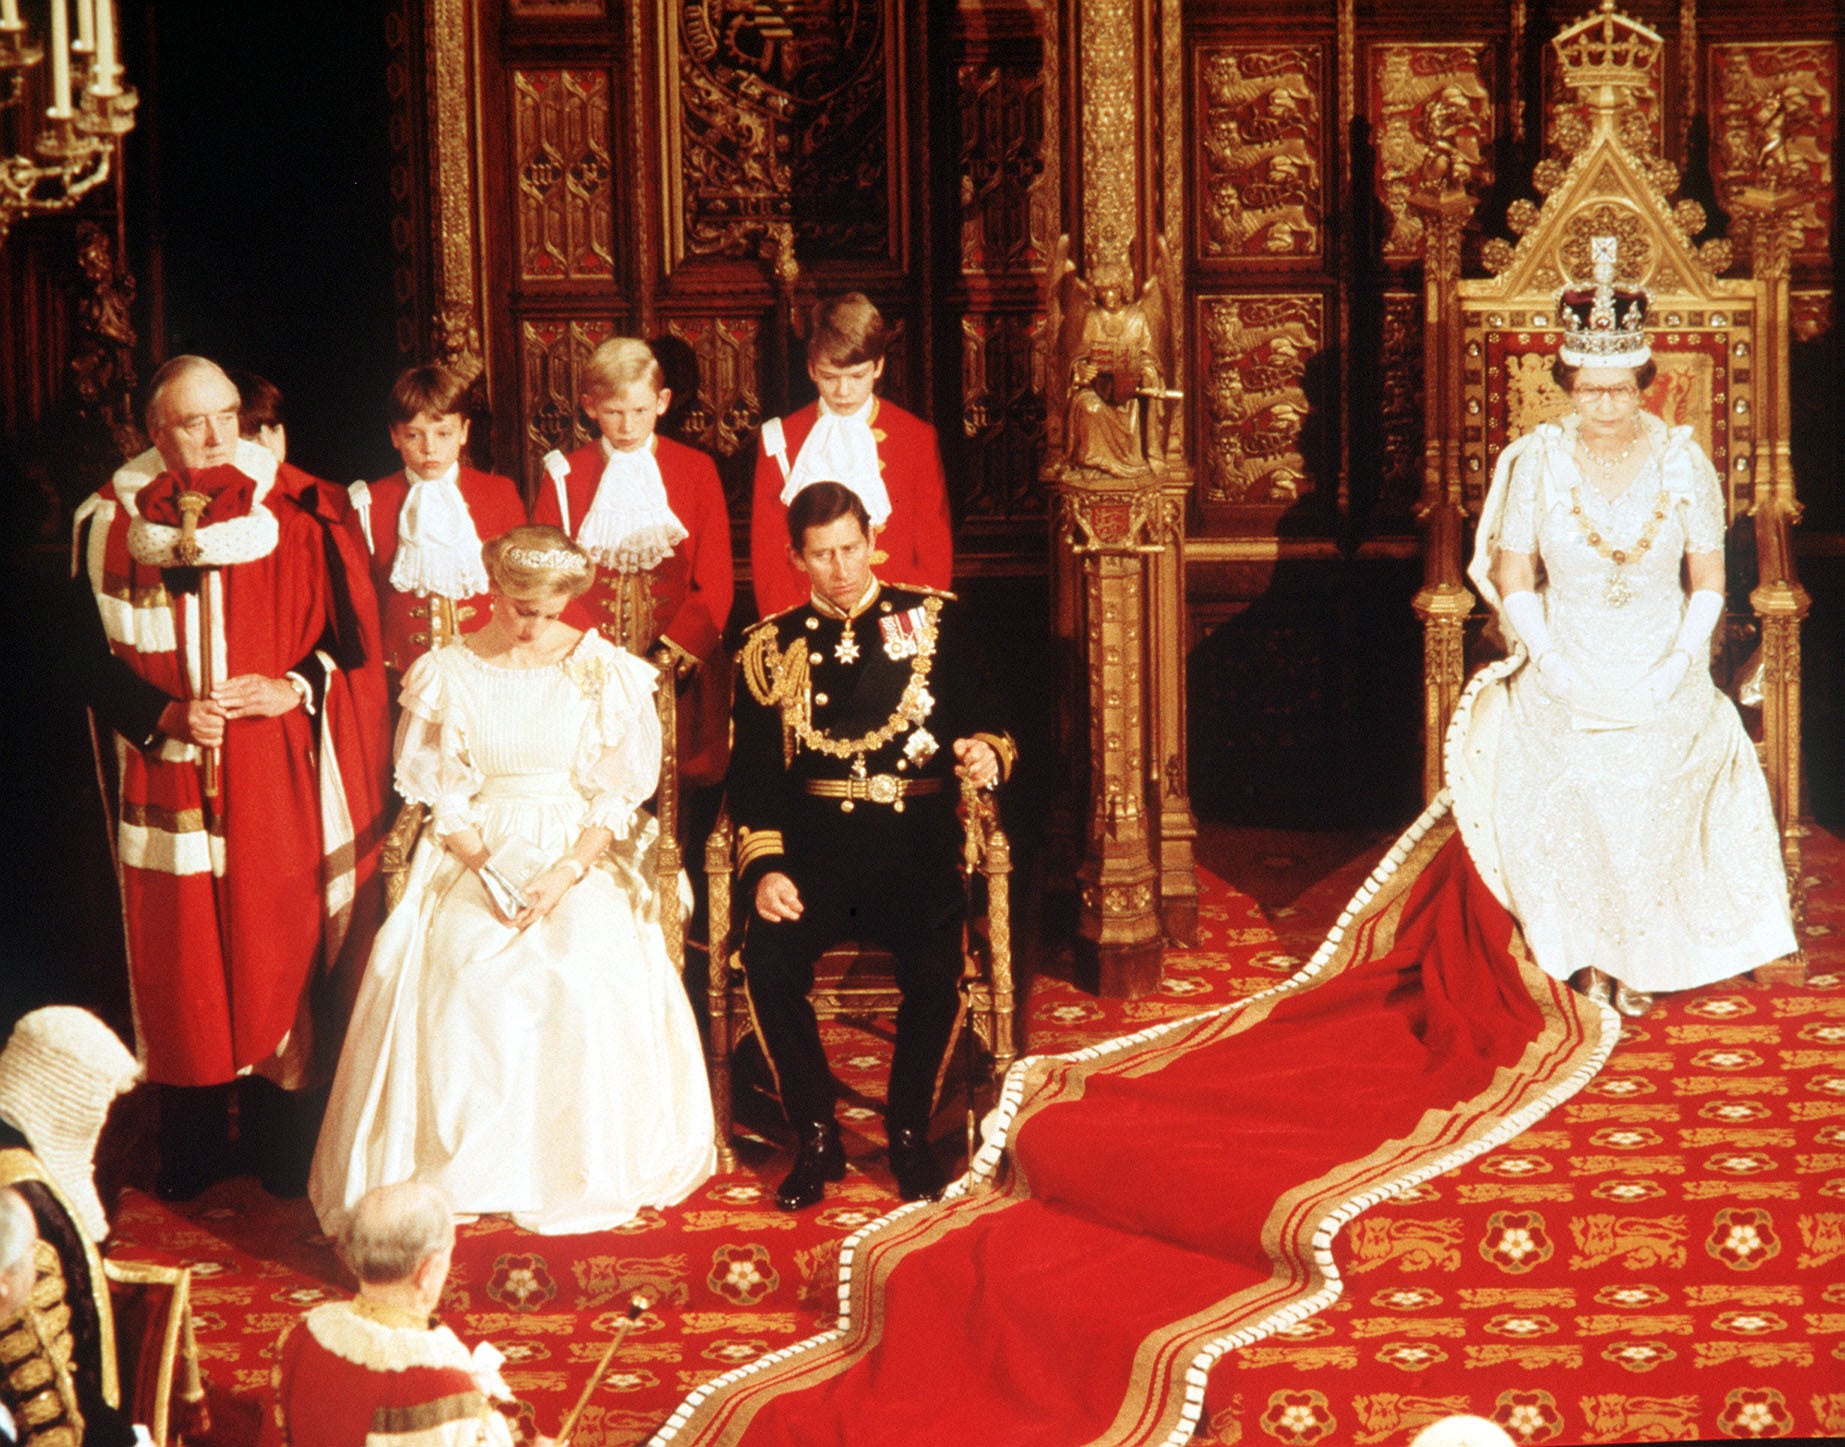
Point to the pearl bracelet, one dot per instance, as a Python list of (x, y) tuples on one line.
[(574, 865)]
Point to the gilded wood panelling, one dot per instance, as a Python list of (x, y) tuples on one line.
[(1006, 224), (551, 358), (459, 328), (1773, 128), (1002, 416), (1400, 402), (409, 244), (728, 407), (781, 121), (1256, 353), (1259, 130), (1004, 131), (1431, 111), (564, 210)]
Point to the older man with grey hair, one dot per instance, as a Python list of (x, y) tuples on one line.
[(231, 657), (382, 1362)]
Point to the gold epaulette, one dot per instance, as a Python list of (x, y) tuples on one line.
[(925, 591), (774, 676)]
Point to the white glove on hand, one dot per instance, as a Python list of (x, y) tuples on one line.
[(1663, 678), (1561, 679), (1691, 646)]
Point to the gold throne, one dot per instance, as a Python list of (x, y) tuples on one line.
[(1722, 345)]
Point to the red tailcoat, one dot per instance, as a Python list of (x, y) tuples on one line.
[(692, 590), (915, 547), (232, 907), (495, 506)]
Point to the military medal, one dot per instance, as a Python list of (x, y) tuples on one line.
[(846, 650), (902, 634)]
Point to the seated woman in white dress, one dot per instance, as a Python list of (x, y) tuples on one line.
[(521, 1039), (1605, 787)]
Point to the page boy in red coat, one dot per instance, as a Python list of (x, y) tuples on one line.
[(850, 436), (424, 526), (637, 503)]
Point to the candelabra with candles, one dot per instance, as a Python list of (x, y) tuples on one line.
[(54, 158)]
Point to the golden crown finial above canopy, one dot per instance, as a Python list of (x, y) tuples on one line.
[(1608, 52)]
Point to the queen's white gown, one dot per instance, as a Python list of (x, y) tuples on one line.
[(552, 1074), (1635, 839)]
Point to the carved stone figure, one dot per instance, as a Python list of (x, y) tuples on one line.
[(1112, 353)]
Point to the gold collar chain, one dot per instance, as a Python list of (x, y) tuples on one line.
[(1619, 591), (912, 708)]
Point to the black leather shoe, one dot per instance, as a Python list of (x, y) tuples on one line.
[(919, 1175), (819, 1159)]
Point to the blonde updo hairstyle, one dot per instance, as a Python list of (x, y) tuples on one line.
[(536, 560)]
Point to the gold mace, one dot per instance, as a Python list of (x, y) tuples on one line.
[(637, 1304), (191, 506)]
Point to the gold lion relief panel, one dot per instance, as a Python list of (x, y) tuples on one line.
[(1256, 352), (1262, 148), (1773, 128)]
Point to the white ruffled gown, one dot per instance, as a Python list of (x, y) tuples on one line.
[(1637, 841), (552, 1074)]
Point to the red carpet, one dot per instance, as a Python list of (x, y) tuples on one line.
[(1613, 1201)]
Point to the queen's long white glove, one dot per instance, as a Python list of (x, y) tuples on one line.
[(1561, 678), (1691, 645)]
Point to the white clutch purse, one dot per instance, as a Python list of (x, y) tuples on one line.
[(508, 870)]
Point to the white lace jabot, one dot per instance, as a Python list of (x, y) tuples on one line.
[(438, 550), (841, 449), (630, 526)]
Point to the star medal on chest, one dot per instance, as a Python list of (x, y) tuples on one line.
[(902, 633), (846, 650)]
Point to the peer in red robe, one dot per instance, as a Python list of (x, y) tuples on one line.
[(233, 904), (355, 1372)]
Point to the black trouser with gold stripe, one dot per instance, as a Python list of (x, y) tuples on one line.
[(877, 878)]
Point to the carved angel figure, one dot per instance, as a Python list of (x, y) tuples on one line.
[(1111, 353)]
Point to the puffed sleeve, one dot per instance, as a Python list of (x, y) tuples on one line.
[(1519, 532), (618, 756), (1703, 492), (434, 763)]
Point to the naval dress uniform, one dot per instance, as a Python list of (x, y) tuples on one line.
[(842, 777)]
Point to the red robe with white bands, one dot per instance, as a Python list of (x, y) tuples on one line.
[(232, 908)]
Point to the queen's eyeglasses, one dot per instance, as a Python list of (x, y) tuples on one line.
[(1622, 392)]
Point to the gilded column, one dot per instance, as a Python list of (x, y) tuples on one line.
[(1178, 826), (1115, 465), (457, 330)]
